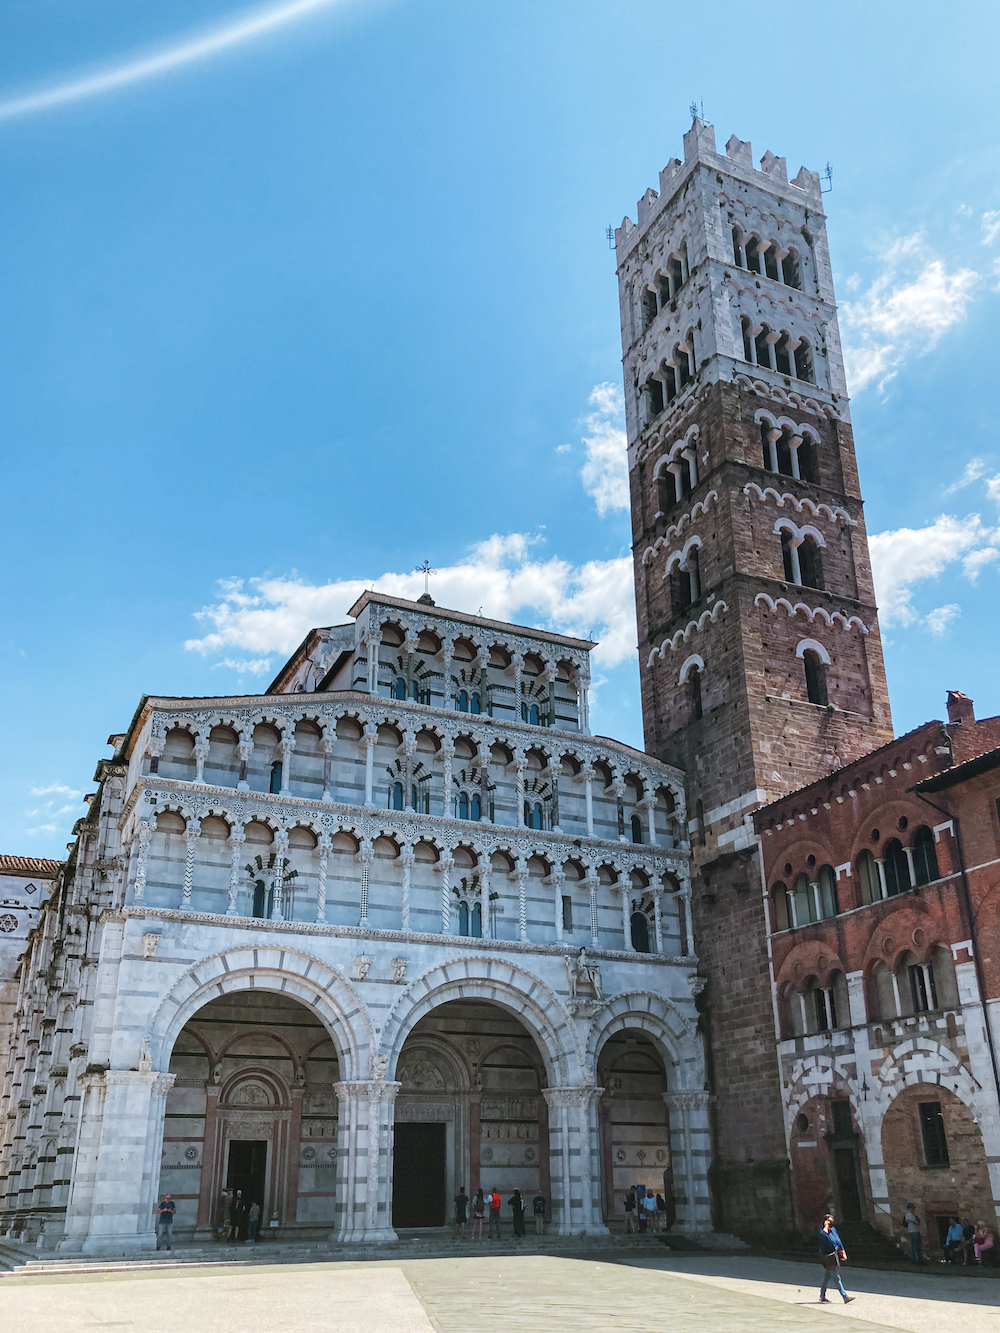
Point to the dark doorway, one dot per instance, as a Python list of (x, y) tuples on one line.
[(845, 1165), (247, 1170), (418, 1176)]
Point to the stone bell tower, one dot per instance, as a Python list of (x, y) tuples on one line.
[(760, 658)]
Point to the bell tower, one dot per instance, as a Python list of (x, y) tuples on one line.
[(760, 658)]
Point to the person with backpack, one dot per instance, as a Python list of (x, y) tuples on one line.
[(478, 1210), (538, 1205), (831, 1255), (495, 1202), (516, 1201)]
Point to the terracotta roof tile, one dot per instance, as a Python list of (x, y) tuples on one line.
[(39, 866)]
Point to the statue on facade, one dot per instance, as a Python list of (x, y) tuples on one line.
[(584, 976)]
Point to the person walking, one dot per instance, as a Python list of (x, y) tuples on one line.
[(912, 1223), (235, 1215), (478, 1209), (630, 1202), (253, 1222), (649, 1208), (516, 1201), (952, 1241), (495, 1202), (831, 1255), (538, 1205), (165, 1221), (461, 1210), (982, 1241)]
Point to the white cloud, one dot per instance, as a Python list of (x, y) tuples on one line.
[(246, 666), (605, 473), (49, 811), (499, 579), (977, 560), (564, 448), (993, 488), (56, 789), (907, 556), (974, 469), (938, 620), (991, 227), (904, 313)]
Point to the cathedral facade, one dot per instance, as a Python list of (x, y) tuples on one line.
[(397, 926)]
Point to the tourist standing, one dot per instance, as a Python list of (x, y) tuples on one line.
[(478, 1209), (630, 1201), (831, 1255), (495, 1202), (461, 1210), (912, 1223), (253, 1222), (165, 1221), (516, 1201), (968, 1237), (538, 1205)]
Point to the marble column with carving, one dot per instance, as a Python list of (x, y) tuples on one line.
[(287, 750), (364, 1162), (690, 1153), (406, 857), (447, 753), (445, 865), (142, 853), (369, 740), (280, 852), (329, 750), (245, 752), (235, 843), (200, 755), (324, 845), (575, 1161), (191, 835)]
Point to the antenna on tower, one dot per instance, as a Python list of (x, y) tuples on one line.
[(610, 234), (827, 175), (693, 108)]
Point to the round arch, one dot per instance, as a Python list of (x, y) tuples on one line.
[(498, 982), (660, 1020), (283, 971)]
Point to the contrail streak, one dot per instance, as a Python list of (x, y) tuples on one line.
[(162, 62)]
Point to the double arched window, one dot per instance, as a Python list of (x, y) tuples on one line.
[(767, 258), (807, 900), (530, 714), (470, 923), (534, 815), (802, 563), (468, 702), (469, 807)]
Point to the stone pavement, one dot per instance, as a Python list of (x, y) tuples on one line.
[(503, 1293)]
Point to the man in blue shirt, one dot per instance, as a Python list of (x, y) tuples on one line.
[(165, 1221), (952, 1241), (831, 1253)]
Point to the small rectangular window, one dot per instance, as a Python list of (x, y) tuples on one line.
[(933, 1135), (567, 911), (842, 1126)]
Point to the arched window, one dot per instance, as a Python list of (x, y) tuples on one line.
[(413, 797), (648, 307), (683, 362), (533, 715), (804, 369), (788, 560), (779, 897), (676, 275), (396, 802), (654, 391), (474, 703), (827, 885), (806, 458), (815, 670), (868, 880), (263, 900), (824, 1009), (783, 451), (925, 866), (752, 254), (636, 823), (748, 346), (463, 919), (400, 690), (810, 564), (640, 932), (791, 273), (764, 348), (896, 867), (738, 256), (532, 815), (694, 693), (923, 989), (275, 784), (770, 263), (666, 493), (463, 701), (475, 807), (801, 903), (782, 355), (463, 806), (477, 921)]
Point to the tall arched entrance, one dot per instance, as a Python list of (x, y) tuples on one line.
[(635, 1131), (252, 1109), (469, 1111)]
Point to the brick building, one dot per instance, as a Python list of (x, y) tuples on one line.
[(759, 649), (882, 881)]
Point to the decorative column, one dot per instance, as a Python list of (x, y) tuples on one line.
[(772, 449), (520, 763), (688, 926), (626, 892), (293, 1151), (145, 834), (191, 835), (365, 1113), (557, 879), (374, 639), (369, 740), (235, 843), (445, 864), (207, 1190), (690, 1152), (407, 858), (517, 662), (366, 855), (658, 918), (908, 853), (484, 783), (592, 883), (325, 843), (409, 750), (447, 753), (574, 1161), (200, 755), (280, 848), (587, 772), (245, 751), (154, 750), (883, 886), (329, 747), (793, 559), (484, 896), (521, 875), (796, 440), (583, 699), (618, 789), (287, 750), (447, 655)]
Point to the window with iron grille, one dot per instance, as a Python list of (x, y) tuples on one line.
[(932, 1132)]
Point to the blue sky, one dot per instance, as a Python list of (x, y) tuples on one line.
[(282, 320)]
